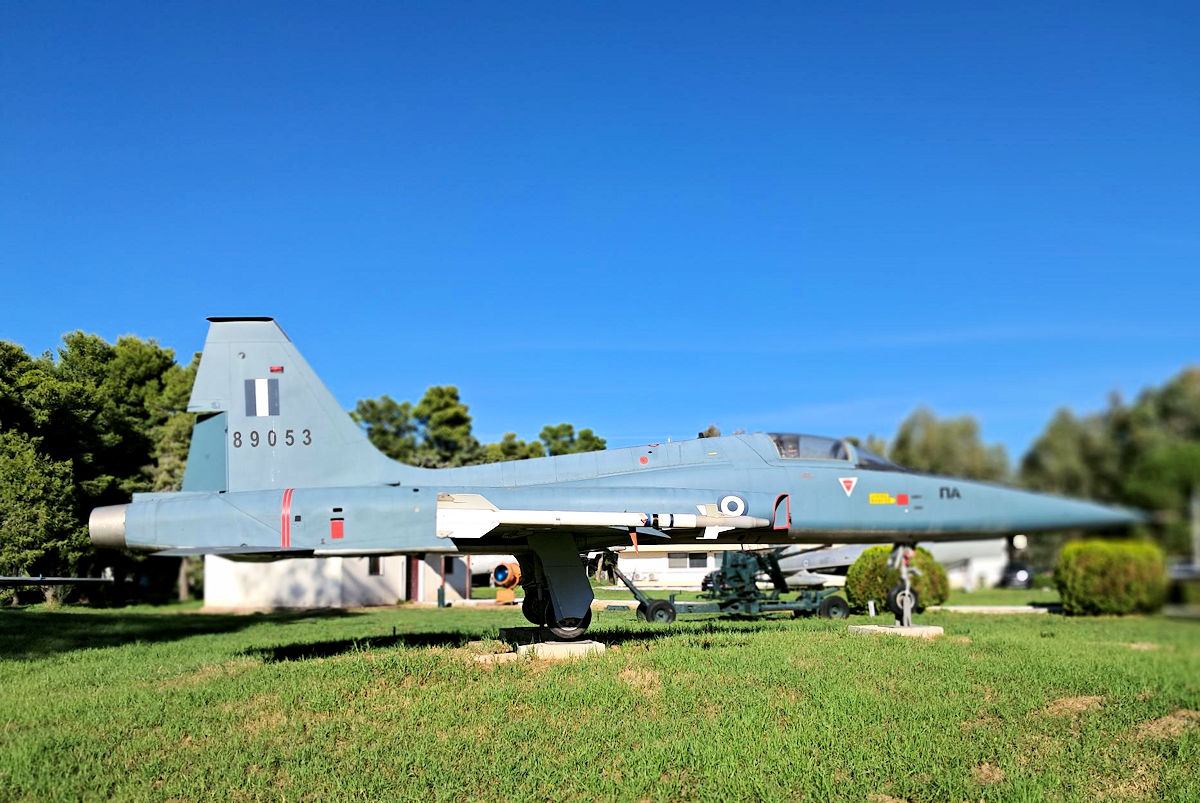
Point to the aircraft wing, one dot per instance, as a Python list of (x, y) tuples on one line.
[(249, 552)]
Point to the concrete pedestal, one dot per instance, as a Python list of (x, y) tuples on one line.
[(561, 650), (916, 631)]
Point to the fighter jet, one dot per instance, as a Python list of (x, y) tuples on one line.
[(277, 469)]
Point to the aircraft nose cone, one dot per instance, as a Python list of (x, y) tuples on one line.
[(1034, 511)]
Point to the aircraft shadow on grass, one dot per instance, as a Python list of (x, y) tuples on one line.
[(302, 651), (29, 635)]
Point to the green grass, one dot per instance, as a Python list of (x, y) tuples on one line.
[(139, 704), (1003, 596)]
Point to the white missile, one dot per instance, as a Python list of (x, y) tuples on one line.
[(468, 516)]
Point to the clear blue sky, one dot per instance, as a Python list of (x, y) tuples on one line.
[(642, 218)]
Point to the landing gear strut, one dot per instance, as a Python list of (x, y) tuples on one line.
[(902, 597), (539, 610), (555, 583)]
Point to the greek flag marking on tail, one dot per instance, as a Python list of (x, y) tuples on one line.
[(262, 397)]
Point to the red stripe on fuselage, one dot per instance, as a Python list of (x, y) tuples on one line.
[(285, 519)]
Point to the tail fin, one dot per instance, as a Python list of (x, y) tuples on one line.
[(267, 421)]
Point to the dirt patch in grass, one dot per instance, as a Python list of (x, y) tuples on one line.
[(1141, 785), (987, 774), (1171, 726), (1143, 646), (1066, 706), (210, 672), (984, 721), (646, 681), (878, 797)]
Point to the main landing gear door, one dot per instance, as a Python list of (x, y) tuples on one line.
[(783, 513)]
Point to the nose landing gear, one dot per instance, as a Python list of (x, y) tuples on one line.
[(902, 597)]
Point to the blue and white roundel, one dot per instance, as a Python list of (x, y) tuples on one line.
[(733, 505)]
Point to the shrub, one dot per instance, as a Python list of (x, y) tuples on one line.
[(870, 578), (1111, 576)]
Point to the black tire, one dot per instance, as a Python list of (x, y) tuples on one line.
[(534, 608), (894, 600), (571, 629), (660, 611), (833, 608), (641, 612)]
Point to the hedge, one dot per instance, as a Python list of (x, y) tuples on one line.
[(1111, 576), (870, 578)]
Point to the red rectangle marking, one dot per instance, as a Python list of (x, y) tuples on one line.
[(335, 528)]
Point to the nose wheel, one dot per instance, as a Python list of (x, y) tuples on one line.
[(539, 610), (571, 628)]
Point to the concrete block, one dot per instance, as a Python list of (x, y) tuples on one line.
[(992, 609), (561, 650), (916, 631)]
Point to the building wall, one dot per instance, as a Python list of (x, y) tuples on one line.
[(969, 565), (327, 582), (651, 567)]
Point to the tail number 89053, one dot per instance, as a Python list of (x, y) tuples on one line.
[(272, 438)]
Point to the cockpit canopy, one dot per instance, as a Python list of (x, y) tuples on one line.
[(808, 447), (792, 446)]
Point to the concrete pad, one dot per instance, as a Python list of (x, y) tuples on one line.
[(916, 631), (988, 609), (561, 650)]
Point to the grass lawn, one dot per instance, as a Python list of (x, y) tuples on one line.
[(145, 704), (1003, 596)]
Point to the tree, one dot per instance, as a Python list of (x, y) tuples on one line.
[(98, 420), (1074, 457), (950, 446), (562, 439), (1164, 481), (39, 531), (1132, 454), (437, 433), (171, 432), (390, 426), (446, 428), (509, 448)]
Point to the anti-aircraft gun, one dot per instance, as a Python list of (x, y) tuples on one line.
[(736, 589)]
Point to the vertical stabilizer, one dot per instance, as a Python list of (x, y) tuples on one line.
[(282, 426)]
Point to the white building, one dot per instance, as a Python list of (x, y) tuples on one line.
[(333, 582), (665, 566), (969, 564)]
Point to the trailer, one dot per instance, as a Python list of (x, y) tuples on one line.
[(734, 590)]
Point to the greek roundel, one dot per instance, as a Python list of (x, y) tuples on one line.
[(733, 505)]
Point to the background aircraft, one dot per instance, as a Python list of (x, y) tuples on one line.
[(277, 469)]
